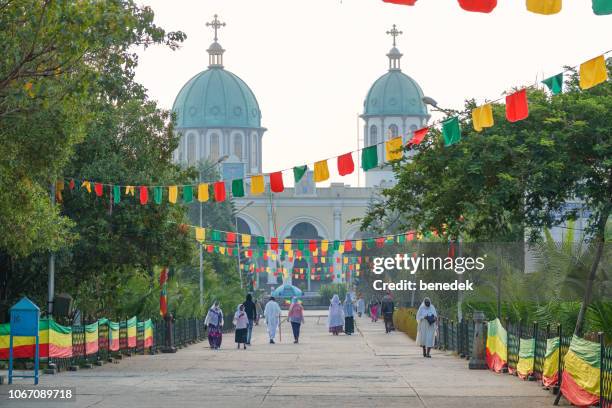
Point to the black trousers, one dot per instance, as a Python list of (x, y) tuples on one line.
[(296, 329)]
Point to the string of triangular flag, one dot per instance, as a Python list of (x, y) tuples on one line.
[(543, 7), (591, 73)]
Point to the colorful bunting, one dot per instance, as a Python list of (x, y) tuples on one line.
[(99, 189), (276, 182), (172, 194), (274, 244), (157, 195), (144, 195), (219, 188), (203, 192), (200, 234), (321, 172), (546, 7), (602, 7), (116, 194), (482, 117), (257, 184), (517, 107), (480, 6), (87, 186), (238, 188), (187, 194), (130, 190), (554, 83), (451, 131), (369, 157), (393, 149), (298, 173), (345, 164), (593, 72), (418, 136)]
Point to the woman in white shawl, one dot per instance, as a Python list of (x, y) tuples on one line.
[(427, 319), (349, 322), (335, 318), (214, 322)]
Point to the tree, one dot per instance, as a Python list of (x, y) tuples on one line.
[(515, 178)]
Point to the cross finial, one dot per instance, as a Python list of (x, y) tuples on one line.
[(395, 33), (216, 25)]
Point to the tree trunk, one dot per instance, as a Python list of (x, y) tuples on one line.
[(588, 293)]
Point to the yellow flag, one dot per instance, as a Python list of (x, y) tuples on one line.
[(290, 253), (287, 245), (321, 172), (87, 186), (273, 256), (593, 72), (246, 240), (393, 148), (322, 259), (341, 248), (315, 252), (482, 117), (129, 190), (222, 250), (268, 269), (358, 245), (203, 192), (172, 194), (357, 266), (257, 184), (200, 234), (546, 7), (345, 260), (324, 245)]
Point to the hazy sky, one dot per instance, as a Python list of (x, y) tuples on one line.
[(310, 63)]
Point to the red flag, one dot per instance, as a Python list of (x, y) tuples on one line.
[(144, 195), (380, 242), (230, 237), (418, 136), (230, 251), (219, 187), (402, 2), (345, 164), (210, 249), (274, 244), (276, 182), (98, 189), (71, 185), (348, 246), (312, 245), (517, 107), (481, 6)]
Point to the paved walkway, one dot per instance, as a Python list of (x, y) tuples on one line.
[(368, 369)]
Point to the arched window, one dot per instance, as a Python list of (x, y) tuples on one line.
[(393, 131), (191, 149), (373, 135), (238, 146), (214, 147), (243, 227), (304, 230)]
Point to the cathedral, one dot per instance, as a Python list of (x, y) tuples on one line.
[(220, 120)]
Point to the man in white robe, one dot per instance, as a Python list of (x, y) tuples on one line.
[(272, 314)]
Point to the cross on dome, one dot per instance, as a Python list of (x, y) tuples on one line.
[(394, 32), (394, 55), (216, 25)]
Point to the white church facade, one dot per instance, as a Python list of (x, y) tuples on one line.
[(218, 116)]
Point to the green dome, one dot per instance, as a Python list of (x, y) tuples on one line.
[(216, 98), (395, 93)]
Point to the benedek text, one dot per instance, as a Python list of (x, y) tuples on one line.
[(422, 285)]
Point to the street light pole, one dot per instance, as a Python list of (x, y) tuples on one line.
[(250, 203), (51, 278), (221, 159)]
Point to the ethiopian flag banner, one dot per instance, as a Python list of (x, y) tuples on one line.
[(147, 327), (497, 346), (581, 375), (23, 347), (131, 331), (91, 338), (524, 367), (550, 372), (113, 336)]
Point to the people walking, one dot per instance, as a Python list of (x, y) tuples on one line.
[(387, 309), (349, 321), (241, 321), (426, 330), (251, 312), (335, 318), (296, 317), (214, 323), (272, 314), (374, 310), (360, 305)]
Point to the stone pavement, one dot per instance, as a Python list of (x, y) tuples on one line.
[(368, 369)]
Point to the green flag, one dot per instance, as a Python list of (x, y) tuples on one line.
[(554, 83), (187, 194), (336, 245), (261, 241), (216, 235), (300, 244), (298, 172), (157, 195), (116, 194), (238, 188), (369, 158), (602, 7), (451, 131)]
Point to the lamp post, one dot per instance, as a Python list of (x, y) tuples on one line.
[(219, 161), (247, 205)]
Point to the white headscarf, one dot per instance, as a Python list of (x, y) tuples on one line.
[(426, 310), (336, 314)]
